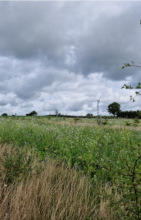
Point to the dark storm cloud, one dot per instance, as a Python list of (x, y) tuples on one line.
[(32, 29), (64, 35), (111, 41)]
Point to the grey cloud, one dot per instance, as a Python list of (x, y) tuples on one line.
[(42, 100), (26, 105), (12, 101), (35, 29), (39, 79), (77, 105), (3, 102), (52, 105), (27, 78), (109, 43)]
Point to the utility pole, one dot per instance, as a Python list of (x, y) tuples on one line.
[(56, 112), (99, 119), (98, 107)]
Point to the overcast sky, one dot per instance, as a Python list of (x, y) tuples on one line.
[(67, 55)]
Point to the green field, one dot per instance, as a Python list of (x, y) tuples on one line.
[(107, 155)]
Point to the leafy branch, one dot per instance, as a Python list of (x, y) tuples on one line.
[(129, 86), (130, 65)]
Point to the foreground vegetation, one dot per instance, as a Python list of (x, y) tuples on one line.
[(56, 170), (51, 191)]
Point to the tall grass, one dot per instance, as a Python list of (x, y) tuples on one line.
[(56, 193)]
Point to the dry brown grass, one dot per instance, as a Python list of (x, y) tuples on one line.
[(95, 125), (57, 193)]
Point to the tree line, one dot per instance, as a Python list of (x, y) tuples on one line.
[(129, 114)]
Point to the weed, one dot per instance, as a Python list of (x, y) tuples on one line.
[(76, 119), (127, 123), (15, 165), (105, 121), (136, 120)]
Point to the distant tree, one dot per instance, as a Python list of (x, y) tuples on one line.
[(114, 108), (89, 115), (4, 114), (32, 113)]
